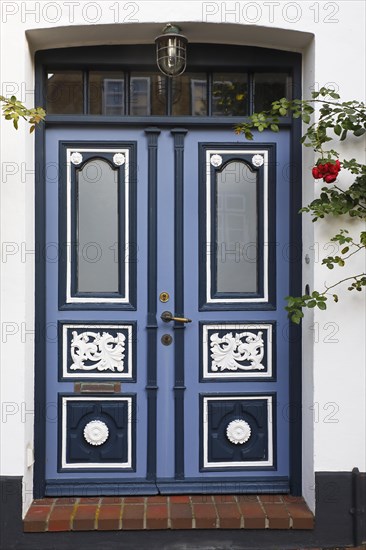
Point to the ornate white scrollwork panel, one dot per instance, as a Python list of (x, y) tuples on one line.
[(97, 351), (237, 350), (240, 351), (100, 351)]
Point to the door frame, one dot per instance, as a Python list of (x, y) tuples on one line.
[(201, 56)]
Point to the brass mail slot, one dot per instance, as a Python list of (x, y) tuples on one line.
[(97, 387)]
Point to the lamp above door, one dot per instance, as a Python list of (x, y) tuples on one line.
[(171, 51)]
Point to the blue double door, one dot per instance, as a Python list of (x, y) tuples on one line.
[(167, 359)]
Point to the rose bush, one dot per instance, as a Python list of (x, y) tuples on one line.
[(336, 119)]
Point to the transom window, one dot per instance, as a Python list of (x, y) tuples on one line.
[(145, 93)]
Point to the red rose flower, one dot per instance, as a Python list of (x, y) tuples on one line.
[(328, 171), (333, 169)]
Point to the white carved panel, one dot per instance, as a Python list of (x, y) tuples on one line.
[(231, 351), (100, 351), (237, 351), (97, 351)]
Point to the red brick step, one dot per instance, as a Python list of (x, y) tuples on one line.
[(168, 512)]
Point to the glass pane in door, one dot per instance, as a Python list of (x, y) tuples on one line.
[(236, 214), (97, 227)]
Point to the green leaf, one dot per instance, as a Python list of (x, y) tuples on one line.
[(322, 305), (337, 129), (345, 250)]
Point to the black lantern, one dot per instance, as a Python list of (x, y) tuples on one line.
[(171, 51)]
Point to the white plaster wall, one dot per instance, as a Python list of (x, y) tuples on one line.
[(331, 37)]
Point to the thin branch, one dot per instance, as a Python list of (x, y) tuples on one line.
[(340, 282)]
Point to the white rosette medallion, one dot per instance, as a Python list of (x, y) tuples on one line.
[(96, 432), (216, 160), (238, 432), (119, 159), (76, 158), (257, 160)]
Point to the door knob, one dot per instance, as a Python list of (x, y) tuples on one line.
[(167, 316)]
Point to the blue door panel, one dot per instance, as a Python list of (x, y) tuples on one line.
[(234, 388), (55, 388)]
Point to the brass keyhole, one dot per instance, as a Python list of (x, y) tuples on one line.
[(166, 339), (164, 297)]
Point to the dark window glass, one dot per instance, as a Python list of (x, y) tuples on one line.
[(229, 94), (147, 94), (189, 94), (64, 93), (269, 87), (106, 93)]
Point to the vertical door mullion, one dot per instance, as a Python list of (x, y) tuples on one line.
[(179, 387), (152, 326)]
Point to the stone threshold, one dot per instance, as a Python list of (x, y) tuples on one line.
[(168, 512)]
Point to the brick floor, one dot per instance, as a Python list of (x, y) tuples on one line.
[(168, 512)]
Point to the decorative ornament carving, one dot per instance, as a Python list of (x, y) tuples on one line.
[(93, 350), (230, 352), (76, 158), (216, 160), (257, 160), (119, 159), (96, 432), (238, 431)]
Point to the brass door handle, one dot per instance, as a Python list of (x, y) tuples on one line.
[(167, 316)]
